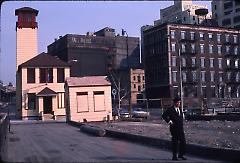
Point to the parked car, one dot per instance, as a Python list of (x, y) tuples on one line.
[(124, 113), (140, 113)]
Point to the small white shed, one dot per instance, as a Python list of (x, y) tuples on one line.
[(88, 99)]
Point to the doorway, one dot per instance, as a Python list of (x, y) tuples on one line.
[(47, 104)]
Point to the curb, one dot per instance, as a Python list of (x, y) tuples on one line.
[(197, 150)]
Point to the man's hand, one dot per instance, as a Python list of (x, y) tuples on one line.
[(170, 122)]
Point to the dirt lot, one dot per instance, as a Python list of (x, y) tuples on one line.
[(220, 134)]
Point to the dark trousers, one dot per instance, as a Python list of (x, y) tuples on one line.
[(178, 144)]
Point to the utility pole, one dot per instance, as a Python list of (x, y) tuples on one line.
[(180, 74)]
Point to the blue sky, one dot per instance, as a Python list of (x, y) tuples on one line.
[(78, 17)]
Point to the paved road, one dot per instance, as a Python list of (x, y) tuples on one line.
[(59, 142)]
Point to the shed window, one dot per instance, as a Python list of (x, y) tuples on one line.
[(99, 100), (82, 102)]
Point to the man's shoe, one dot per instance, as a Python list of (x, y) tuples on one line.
[(174, 158), (183, 158)]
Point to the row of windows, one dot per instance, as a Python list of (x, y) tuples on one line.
[(213, 76), (219, 37), (138, 78), (45, 75), (219, 91), (138, 87), (202, 48), (212, 62)]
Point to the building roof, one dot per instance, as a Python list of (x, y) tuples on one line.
[(88, 81), (47, 92), (26, 9), (44, 60)]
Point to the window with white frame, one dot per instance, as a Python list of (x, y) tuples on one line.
[(173, 34), (235, 39), (201, 48), (192, 35), (229, 89), (220, 63), (210, 36), (235, 50), (218, 37), (228, 62), (184, 76), (173, 47), (227, 49), (183, 34), (184, 62), (203, 76), (174, 61), (210, 49), (227, 37), (219, 47), (183, 48), (236, 63), (212, 73), (193, 61), (202, 62), (193, 48), (211, 60), (60, 99), (174, 76)]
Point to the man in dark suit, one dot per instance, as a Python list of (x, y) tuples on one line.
[(174, 117)]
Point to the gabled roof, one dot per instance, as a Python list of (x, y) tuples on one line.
[(44, 60), (47, 92), (88, 81), (26, 9)]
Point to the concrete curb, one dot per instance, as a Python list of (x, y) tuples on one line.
[(197, 150)]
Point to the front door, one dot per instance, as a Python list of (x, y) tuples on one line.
[(47, 104)]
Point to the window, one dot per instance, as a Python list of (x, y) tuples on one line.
[(192, 34), (218, 38), (134, 85), (202, 62), (99, 104), (212, 76), (46, 75), (220, 63), (139, 88), (201, 35), (211, 62), (183, 34), (30, 75), (226, 22), (174, 61), (219, 49), (183, 48), (193, 62), (174, 76), (193, 48), (213, 91), (236, 19), (220, 77), (228, 63), (194, 76), (229, 76), (31, 101), (210, 36), (183, 62), (203, 73), (228, 5), (139, 78), (143, 78), (134, 78), (227, 49), (82, 102), (201, 48), (237, 77), (173, 34), (235, 50), (60, 75), (210, 49), (235, 39), (184, 76), (173, 47), (60, 99), (227, 38), (236, 63)]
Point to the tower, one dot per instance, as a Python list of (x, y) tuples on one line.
[(26, 34)]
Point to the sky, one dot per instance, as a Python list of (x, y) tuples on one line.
[(73, 17)]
